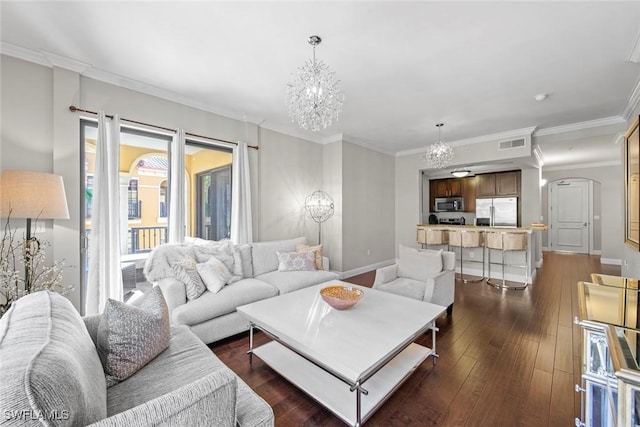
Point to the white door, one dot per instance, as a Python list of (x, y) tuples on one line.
[(569, 206)]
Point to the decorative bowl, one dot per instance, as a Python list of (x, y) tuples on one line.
[(341, 297)]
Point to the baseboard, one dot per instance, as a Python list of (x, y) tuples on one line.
[(596, 252), (365, 269), (610, 261)]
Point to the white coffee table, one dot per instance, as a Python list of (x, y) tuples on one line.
[(329, 353)]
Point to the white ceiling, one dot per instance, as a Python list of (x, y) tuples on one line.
[(404, 66)]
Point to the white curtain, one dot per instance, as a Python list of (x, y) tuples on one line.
[(105, 276), (241, 229), (177, 217)]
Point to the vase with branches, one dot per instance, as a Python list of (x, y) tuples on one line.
[(24, 268)]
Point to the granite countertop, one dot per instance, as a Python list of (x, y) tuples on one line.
[(527, 229)]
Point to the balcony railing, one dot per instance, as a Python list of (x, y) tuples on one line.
[(144, 239), (135, 209)]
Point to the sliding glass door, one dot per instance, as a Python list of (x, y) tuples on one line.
[(145, 195)]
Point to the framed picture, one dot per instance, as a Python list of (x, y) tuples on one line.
[(632, 186)]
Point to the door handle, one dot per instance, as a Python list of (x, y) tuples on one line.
[(585, 224)]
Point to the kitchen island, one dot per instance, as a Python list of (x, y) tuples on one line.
[(530, 257)]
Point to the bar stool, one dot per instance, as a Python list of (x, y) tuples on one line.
[(435, 236), (507, 241), (467, 239)]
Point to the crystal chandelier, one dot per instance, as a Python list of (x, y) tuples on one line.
[(314, 98), (440, 154)]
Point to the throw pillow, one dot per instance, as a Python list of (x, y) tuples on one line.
[(222, 250), (418, 265), (214, 274), (129, 337), (296, 261), (187, 273), (317, 248)]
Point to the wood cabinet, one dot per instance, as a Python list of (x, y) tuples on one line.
[(447, 187), (498, 184), (486, 185), (468, 192), (508, 183)]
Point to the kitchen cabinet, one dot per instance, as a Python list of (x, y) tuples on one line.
[(448, 187), (508, 183), (468, 186), (498, 184), (454, 187)]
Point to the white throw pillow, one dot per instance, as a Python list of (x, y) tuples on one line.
[(214, 274), (418, 265), (296, 261)]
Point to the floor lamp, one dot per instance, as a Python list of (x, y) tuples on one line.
[(319, 206), (27, 194)]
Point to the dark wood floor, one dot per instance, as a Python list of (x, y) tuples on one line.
[(507, 358)]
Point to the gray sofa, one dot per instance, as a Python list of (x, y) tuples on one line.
[(52, 375), (213, 316)]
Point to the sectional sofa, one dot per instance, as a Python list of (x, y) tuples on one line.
[(213, 316), (52, 375)]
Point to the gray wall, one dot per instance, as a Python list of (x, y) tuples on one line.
[(39, 133), (369, 207)]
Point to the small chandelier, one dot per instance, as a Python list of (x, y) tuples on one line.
[(314, 98), (440, 154)]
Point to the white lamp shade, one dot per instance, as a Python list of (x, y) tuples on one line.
[(27, 194)]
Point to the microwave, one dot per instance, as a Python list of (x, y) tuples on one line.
[(449, 204)]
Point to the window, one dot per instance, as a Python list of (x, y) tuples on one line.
[(135, 205), (214, 204), (144, 159), (163, 208)]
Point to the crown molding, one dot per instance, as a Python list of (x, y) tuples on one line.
[(537, 153), (614, 120), (634, 55), (24, 54), (338, 137), (49, 59), (618, 138), (293, 132), (60, 61), (367, 145), (582, 166), (501, 136), (633, 102)]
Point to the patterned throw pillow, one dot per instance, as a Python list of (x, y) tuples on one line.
[(129, 337), (187, 273), (214, 274), (222, 250), (296, 261), (318, 248)]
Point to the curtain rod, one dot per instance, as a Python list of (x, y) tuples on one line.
[(73, 108)]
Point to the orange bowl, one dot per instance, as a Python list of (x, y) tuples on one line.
[(341, 297)]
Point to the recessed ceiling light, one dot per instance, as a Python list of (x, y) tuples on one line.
[(540, 97)]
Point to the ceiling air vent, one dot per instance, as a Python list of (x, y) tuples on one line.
[(516, 143)]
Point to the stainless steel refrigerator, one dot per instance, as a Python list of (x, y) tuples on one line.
[(497, 212)]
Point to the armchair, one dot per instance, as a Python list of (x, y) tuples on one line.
[(425, 275)]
